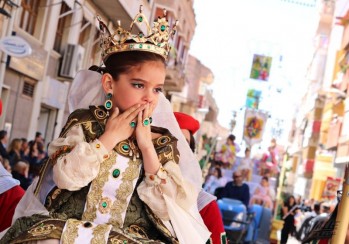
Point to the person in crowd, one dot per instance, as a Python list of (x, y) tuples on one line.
[(14, 151), (246, 165), (6, 164), (10, 194), (3, 144), (263, 195), (24, 149), (214, 181), (207, 205), (288, 210), (121, 170), (269, 162), (20, 172), (237, 189), (227, 153)]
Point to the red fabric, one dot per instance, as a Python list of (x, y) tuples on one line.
[(8, 203), (213, 221), (187, 122)]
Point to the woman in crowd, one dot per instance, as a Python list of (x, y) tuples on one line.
[(111, 177), (214, 181), (288, 210)]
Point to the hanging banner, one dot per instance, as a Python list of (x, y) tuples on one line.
[(260, 69), (254, 126), (252, 98), (331, 187)]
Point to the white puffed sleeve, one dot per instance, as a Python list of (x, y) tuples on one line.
[(172, 198), (76, 162)]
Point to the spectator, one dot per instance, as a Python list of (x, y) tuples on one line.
[(227, 153), (246, 165), (21, 172), (15, 151), (214, 181), (236, 189), (264, 194), (10, 194), (288, 209), (25, 148), (3, 144)]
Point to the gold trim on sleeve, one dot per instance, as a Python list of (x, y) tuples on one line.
[(71, 231)]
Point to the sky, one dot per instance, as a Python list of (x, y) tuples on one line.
[(229, 32)]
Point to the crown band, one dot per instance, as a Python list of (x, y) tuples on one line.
[(156, 41)]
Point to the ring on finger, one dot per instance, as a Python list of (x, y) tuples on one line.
[(133, 124), (146, 121)]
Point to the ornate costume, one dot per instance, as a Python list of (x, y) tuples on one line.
[(86, 194), (101, 202)]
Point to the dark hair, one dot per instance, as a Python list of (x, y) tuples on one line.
[(219, 172), (192, 142), (231, 137), (317, 207), (122, 62), (37, 134), (265, 178), (3, 133)]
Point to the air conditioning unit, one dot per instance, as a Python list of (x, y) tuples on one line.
[(72, 60)]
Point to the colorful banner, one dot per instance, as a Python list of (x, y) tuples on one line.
[(254, 126), (260, 69), (252, 99), (331, 187)]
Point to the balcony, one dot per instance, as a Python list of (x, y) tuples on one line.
[(175, 78)]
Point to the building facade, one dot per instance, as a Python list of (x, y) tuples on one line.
[(64, 38)]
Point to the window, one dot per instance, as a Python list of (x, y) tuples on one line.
[(84, 32), (28, 89), (61, 28), (30, 11)]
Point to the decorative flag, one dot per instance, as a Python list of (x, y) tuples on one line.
[(254, 126), (331, 187), (260, 69), (252, 98)]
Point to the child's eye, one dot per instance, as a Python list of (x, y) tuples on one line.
[(137, 85), (159, 89)]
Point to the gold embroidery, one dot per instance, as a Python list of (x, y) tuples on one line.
[(99, 234), (71, 231), (88, 127), (138, 231), (56, 193), (42, 229), (125, 189), (67, 125), (96, 188)]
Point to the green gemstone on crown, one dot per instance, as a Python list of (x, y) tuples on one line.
[(116, 173), (140, 45), (163, 28), (140, 35), (104, 204), (140, 19)]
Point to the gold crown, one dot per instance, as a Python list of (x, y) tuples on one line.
[(121, 40)]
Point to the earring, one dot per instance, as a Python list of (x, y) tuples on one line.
[(108, 103)]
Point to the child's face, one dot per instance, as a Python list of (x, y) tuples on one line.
[(141, 85)]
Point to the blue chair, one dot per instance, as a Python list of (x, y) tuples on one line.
[(234, 214)]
